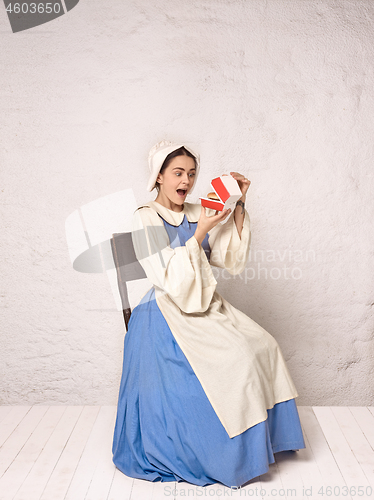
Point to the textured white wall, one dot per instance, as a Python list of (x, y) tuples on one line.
[(281, 91)]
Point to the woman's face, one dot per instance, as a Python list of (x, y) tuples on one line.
[(177, 180)]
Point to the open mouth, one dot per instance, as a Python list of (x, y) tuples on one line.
[(182, 192)]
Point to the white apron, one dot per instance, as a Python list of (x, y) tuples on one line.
[(239, 364)]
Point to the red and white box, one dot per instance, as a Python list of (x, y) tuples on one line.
[(228, 191)]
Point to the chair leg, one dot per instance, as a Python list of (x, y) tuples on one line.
[(126, 315)]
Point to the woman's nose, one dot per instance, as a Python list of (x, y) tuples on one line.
[(187, 180)]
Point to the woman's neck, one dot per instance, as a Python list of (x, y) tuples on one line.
[(166, 202)]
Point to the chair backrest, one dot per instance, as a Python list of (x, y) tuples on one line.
[(127, 267)]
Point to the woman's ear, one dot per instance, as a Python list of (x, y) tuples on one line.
[(159, 179)]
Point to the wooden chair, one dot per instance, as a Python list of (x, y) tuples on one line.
[(127, 267)]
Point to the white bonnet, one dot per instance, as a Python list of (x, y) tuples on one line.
[(157, 156)]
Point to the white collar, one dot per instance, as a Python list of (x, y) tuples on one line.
[(191, 210)]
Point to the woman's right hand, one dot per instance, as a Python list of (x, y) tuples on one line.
[(206, 223)]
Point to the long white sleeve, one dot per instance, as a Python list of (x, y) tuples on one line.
[(228, 250), (183, 273)]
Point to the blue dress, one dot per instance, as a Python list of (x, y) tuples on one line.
[(166, 428)]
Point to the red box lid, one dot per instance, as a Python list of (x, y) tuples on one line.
[(220, 189)]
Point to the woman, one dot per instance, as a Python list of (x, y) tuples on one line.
[(205, 394)]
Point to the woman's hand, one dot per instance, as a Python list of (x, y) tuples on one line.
[(206, 223), (243, 183)]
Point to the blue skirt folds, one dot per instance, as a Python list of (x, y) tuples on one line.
[(166, 428)]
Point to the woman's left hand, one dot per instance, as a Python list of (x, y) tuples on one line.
[(242, 181)]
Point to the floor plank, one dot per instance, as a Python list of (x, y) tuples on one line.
[(121, 486), (11, 420), (40, 469), (142, 489), (96, 443), (290, 474), (19, 436), (21, 466), (357, 442), (163, 490), (105, 468), (365, 419), (52, 473), (324, 459), (271, 481), (64, 453), (4, 410), (345, 459), (308, 469), (188, 490), (253, 488)]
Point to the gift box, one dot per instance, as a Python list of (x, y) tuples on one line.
[(228, 191)]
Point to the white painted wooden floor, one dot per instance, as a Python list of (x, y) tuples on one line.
[(64, 453)]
